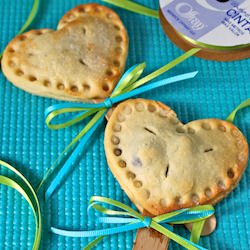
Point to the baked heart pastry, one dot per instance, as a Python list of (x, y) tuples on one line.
[(82, 60), (164, 165)]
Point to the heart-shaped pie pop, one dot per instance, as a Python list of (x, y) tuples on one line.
[(164, 165), (82, 60)]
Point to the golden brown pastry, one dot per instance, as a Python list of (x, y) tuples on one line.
[(82, 60), (164, 165)]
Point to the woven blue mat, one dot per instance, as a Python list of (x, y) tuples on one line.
[(31, 147)]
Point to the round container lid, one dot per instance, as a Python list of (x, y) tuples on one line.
[(214, 24)]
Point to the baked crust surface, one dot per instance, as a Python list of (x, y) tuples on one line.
[(164, 165), (82, 60)]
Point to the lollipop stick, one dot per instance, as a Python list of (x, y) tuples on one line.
[(149, 239)]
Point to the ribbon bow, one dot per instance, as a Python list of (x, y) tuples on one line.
[(134, 220), (128, 86)]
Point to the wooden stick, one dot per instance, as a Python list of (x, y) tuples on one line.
[(149, 239)]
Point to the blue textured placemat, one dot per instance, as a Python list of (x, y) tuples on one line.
[(31, 147)]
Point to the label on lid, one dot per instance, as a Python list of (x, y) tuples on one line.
[(223, 23)]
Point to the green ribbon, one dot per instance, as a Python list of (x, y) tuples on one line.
[(134, 7), (25, 189), (215, 47), (30, 19), (244, 104)]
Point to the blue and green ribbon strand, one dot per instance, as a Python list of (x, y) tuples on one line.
[(128, 86), (23, 186), (29, 20), (129, 219)]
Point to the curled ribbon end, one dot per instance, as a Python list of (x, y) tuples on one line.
[(195, 73)]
